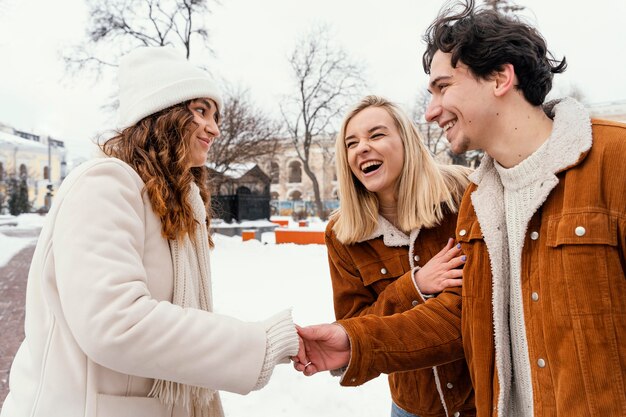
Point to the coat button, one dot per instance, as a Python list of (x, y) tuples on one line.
[(541, 363), (534, 235), (580, 231), (383, 271), (463, 232), (416, 258), (457, 414), (450, 385), (414, 303), (534, 296)]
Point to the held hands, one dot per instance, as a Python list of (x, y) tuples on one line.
[(440, 272), (326, 347)]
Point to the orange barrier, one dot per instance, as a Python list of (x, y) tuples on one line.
[(299, 236), (248, 235), (281, 222)]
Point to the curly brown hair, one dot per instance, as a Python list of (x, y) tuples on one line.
[(157, 147), (485, 40)]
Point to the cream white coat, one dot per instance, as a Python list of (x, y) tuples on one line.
[(99, 324)]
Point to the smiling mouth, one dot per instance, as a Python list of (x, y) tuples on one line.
[(207, 142), (448, 125), (370, 166)]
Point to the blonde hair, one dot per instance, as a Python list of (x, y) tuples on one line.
[(426, 189)]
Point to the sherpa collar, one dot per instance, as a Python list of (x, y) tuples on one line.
[(568, 143), (392, 236)]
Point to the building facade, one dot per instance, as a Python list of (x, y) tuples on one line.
[(38, 159), (289, 181)]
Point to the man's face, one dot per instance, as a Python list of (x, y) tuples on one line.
[(461, 104)]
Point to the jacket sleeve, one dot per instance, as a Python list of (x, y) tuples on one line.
[(98, 242), (427, 335), (352, 298)]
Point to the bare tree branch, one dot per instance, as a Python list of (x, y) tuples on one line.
[(247, 134), (116, 26), (504, 6), (327, 81)]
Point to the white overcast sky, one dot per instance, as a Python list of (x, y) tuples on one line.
[(252, 40)]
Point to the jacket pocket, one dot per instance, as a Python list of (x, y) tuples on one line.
[(380, 270), (584, 266), (120, 406)]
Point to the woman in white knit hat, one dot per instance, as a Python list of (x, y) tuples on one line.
[(118, 307)]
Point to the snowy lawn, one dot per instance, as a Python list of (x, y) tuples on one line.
[(252, 281), (9, 246)]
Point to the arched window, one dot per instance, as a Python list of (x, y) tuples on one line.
[(275, 173), (295, 195), (243, 190), (46, 173), (23, 171), (295, 171), (275, 195), (1, 171)]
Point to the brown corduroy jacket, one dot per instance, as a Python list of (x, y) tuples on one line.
[(374, 277), (573, 288)]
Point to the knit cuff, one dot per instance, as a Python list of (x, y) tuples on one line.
[(424, 296), (280, 344)]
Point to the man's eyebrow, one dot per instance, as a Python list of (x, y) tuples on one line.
[(434, 82)]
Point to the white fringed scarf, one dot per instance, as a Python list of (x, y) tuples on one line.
[(192, 289)]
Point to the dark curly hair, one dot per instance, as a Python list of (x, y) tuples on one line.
[(485, 40), (157, 147)]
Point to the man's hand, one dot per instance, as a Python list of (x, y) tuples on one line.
[(327, 347)]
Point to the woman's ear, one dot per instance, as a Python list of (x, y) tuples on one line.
[(505, 80)]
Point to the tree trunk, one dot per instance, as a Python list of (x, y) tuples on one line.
[(316, 190)]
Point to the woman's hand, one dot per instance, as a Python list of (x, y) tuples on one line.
[(441, 271)]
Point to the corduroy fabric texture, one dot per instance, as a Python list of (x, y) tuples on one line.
[(375, 276), (573, 289)]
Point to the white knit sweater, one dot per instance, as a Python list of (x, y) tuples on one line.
[(521, 186)]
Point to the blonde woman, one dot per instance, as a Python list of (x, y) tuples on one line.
[(398, 209)]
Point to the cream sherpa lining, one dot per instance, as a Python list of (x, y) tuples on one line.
[(570, 137)]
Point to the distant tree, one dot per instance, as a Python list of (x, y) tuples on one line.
[(432, 134), (504, 6), (325, 81), (18, 195), (563, 89), (117, 26), (246, 134)]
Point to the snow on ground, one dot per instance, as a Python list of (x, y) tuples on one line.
[(251, 281), (9, 245)]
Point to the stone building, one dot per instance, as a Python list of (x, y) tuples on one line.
[(289, 182), (40, 159)]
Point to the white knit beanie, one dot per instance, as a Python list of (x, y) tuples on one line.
[(154, 78)]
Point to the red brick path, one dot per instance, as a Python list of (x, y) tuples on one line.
[(12, 292)]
